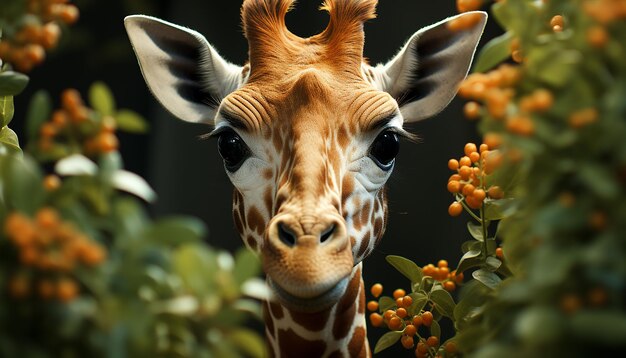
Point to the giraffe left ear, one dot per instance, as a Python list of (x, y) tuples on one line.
[(183, 71), (425, 75)]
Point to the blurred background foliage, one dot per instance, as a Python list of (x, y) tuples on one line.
[(84, 269)]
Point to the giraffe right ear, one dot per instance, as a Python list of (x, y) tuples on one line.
[(181, 68)]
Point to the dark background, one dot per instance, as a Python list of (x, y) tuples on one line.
[(187, 172)]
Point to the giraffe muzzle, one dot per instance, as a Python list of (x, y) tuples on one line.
[(307, 260)]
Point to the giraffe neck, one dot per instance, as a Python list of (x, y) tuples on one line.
[(338, 331)]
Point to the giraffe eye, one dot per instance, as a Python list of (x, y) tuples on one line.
[(384, 149), (233, 150)]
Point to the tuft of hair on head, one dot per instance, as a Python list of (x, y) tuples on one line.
[(264, 17)]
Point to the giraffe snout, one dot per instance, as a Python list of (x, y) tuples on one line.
[(307, 257)]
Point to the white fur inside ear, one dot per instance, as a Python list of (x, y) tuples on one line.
[(183, 71)]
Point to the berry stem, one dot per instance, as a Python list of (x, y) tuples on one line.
[(469, 210), (483, 223)]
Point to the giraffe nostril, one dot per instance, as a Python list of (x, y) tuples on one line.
[(285, 236), (327, 234)]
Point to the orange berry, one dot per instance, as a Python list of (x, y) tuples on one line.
[(422, 347), (93, 255), (66, 290), (471, 110), (417, 320), (427, 318), (432, 341), (407, 341), (495, 192), (453, 164), (455, 209), (493, 140), (399, 302), (59, 118), (597, 36), (454, 187), (51, 182), (429, 269), (69, 14), (395, 323), (449, 286), (442, 263), (388, 315), (517, 56), (376, 290), (372, 306), (48, 130), (570, 303), (468, 5), (473, 203), (474, 157), (459, 278), (79, 114), (401, 312), (465, 161), (521, 125), (543, 100), (451, 347), (47, 218), (469, 149), (29, 256), (454, 177), (443, 272), (50, 35), (468, 190), (107, 142), (399, 293), (376, 320), (410, 330), (557, 21), (407, 301), (583, 117), (499, 253), (71, 99), (465, 172), (35, 53), (479, 194)]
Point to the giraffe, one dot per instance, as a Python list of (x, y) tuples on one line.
[(308, 132)]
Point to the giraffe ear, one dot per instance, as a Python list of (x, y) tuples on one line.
[(181, 68), (425, 75)]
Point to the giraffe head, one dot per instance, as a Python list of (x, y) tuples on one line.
[(307, 129)]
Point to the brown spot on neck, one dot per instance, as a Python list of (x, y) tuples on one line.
[(292, 345), (312, 321)]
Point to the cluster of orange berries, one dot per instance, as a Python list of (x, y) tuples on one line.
[(468, 21), (40, 32), (75, 119), (441, 272), (398, 319), (50, 249), (468, 183)]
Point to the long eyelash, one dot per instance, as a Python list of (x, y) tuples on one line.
[(404, 134), (214, 133)]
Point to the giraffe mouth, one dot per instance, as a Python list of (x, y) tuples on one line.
[(314, 304)]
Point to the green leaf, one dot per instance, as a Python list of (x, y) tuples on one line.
[(247, 265), (9, 139), (24, 190), (494, 52), (192, 262), (444, 302), (387, 340), (39, 110), (12, 83), (133, 184), (469, 260), (488, 278), (500, 209), (599, 179), (435, 329), (419, 302), (493, 262), (406, 267), (130, 121), (101, 99), (6, 110), (385, 303), (475, 230), (249, 342), (176, 230)]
